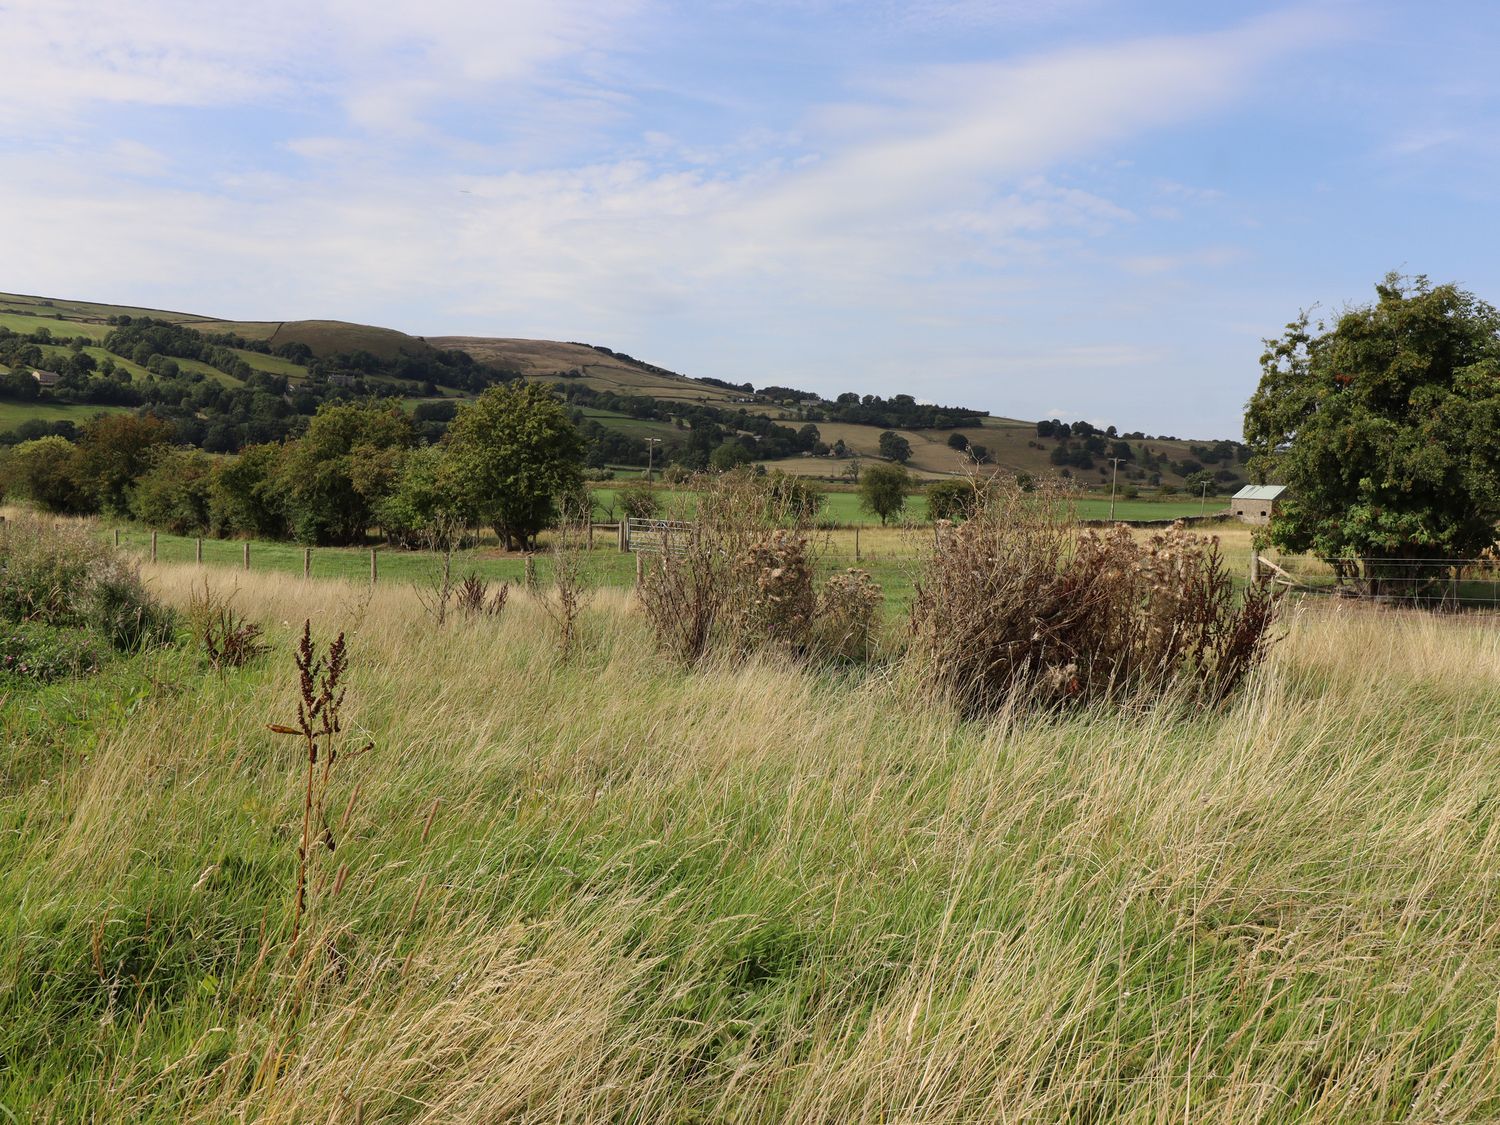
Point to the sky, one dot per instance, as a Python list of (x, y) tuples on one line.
[(1078, 209)]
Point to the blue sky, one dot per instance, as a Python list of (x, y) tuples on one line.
[(1079, 208)]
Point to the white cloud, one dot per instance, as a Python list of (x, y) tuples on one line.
[(383, 61), (909, 212), (1214, 257)]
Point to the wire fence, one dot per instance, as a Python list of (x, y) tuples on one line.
[(1455, 584)]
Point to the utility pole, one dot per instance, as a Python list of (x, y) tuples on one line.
[(1203, 503), (1115, 461), (651, 444)]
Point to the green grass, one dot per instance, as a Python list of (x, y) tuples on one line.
[(66, 329), (614, 890), (274, 364), (12, 414), (844, 508), (636, 427), (890, 565)]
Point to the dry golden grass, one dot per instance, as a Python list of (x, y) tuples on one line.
[(615, 891)]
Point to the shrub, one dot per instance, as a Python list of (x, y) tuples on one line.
[(791, 499), (64, 577), (848, 609), (953, 500), (638, 500), (228, 640), (176, 492), (472, 597), (740, 584), (44, 472), (690, 593), (774, 589), (1016, 608)]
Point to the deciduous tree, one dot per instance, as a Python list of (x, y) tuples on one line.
[(344, 466), (516, 453), (894, 447), (882, 490), (1386, 427)]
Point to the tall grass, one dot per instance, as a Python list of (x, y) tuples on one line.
[(615, 890)]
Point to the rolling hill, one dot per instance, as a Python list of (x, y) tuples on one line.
[(384, 361)]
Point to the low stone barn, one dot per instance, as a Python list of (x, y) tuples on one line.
[(1256, 503), (45, 378)]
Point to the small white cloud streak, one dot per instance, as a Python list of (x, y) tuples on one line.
[(383, 61)]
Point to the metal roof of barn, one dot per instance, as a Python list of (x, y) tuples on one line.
[(1260, 492)]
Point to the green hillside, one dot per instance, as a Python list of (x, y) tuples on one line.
[(271, 375)]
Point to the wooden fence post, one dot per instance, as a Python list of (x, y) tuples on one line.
[(153, 546), (530, 572), (856, 542), (640, 569), (1254, 565), (624, 530), (374, 568), (306, 562), (246, 554), (117, 537), (198, 551)]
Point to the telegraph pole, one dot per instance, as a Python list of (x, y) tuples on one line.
[(651, 444), (1203, 502), (1115, 461)]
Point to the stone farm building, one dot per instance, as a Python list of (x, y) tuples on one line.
[(46, 378), (1256, 503)]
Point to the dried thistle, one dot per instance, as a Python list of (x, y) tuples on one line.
[(319, 721)]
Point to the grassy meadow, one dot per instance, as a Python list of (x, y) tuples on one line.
[(12, 414), (613, 890), (890, 555), (843, 507)]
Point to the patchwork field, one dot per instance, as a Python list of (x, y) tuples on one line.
[(1013, 445)]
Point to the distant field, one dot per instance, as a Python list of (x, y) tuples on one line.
[(12, 414), (65, 329), (889, 560), (90, 310), (327, 337), (273, 364), (844, 507), (636, 427)]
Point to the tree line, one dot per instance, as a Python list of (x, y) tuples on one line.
[(510, 460)]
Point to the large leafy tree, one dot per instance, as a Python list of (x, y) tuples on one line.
[(1385, 428), (516, 454), (895, 447), (338, 473), (114, 450), (247, 494), (428, 504)]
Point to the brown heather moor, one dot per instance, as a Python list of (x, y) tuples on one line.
[(615, 890)]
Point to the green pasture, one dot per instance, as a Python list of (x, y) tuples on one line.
[(272, 364), (65, 329), (635, 427), (12, 414), (605, 565), (844, 508)]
